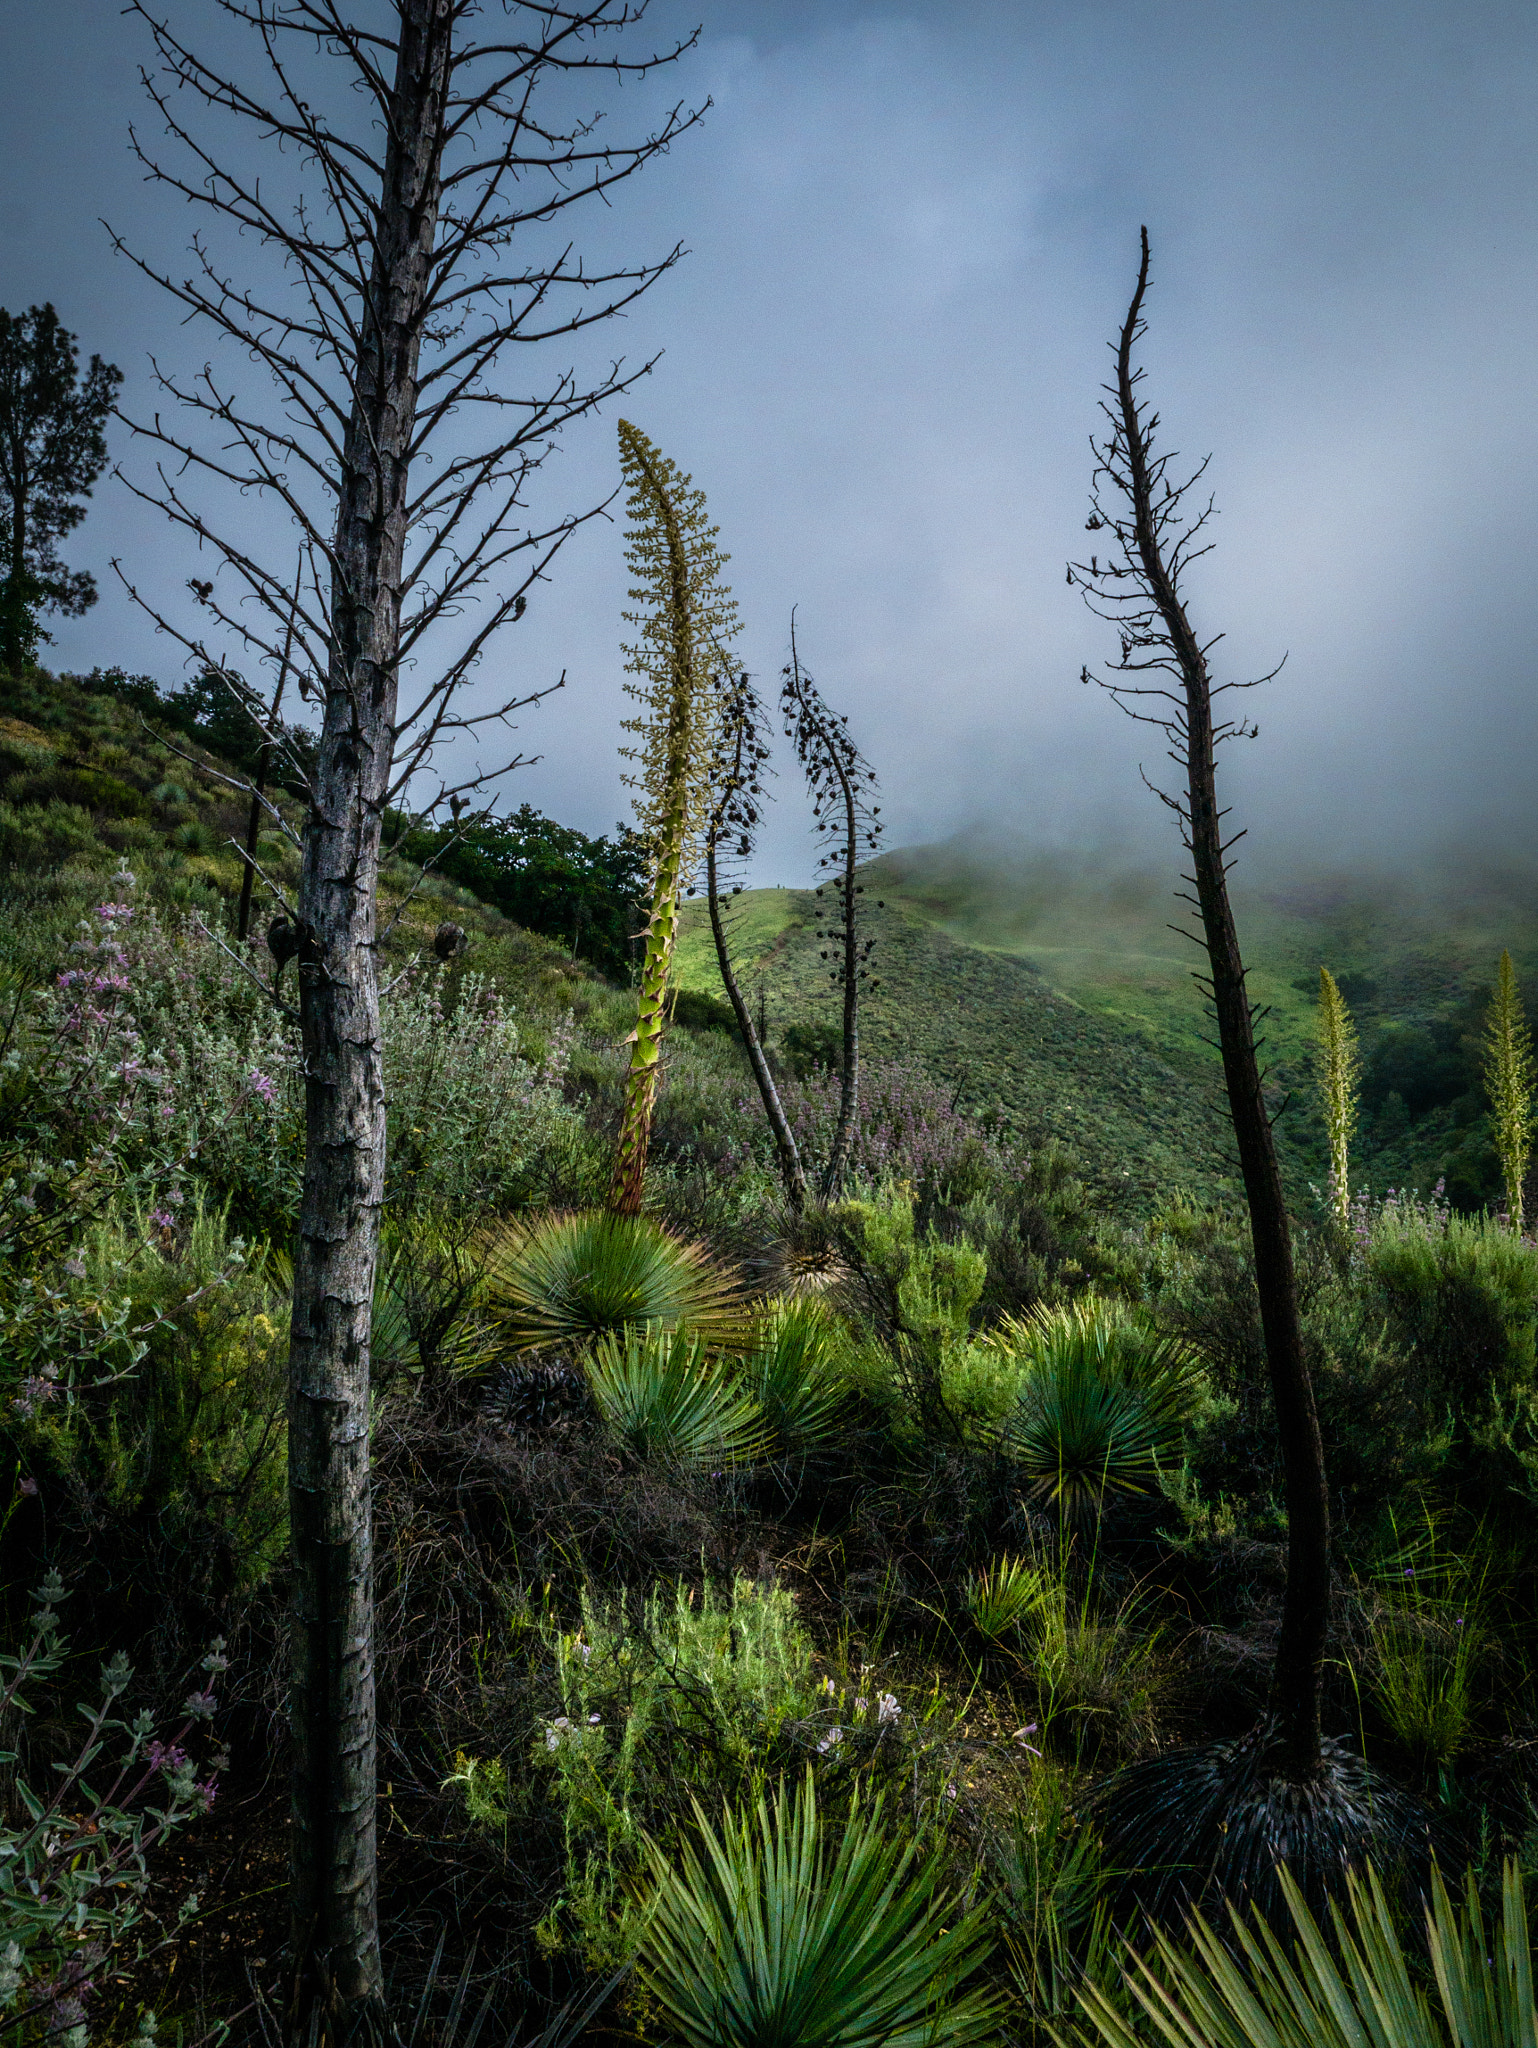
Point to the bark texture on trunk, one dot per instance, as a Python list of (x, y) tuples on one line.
[(1305, 1617), (791, 1169), (334, 1905)]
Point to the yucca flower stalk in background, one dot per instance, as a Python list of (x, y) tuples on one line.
[(1339, 1071), (1509, 1077), (687, 618)]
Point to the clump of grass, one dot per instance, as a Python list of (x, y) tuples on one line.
[(1429, 1642)]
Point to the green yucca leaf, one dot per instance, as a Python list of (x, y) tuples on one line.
[(762, 1938), (660, 1395), (1104, 1404), (570, 1279), (794, 1374), (1354, 1989), (1007, 1592)]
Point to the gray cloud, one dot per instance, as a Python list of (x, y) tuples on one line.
[(912, 231)]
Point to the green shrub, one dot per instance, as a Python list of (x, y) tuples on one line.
[(760, 1937), (174, 1443), (646, 1704), (1462, 1296), (75, 1871)]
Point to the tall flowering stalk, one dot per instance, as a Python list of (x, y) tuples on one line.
[(1509, 1074), (730, 829), (1339, 1071), (686, 619), (842, 784)]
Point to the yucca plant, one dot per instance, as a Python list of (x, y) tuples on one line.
[(570, 1279), (1103, 1407), (794, 1374), (689, 617), (761, 1937), (1338, 1070), (1509, 1078), (1351, 1988), (657, 1391), (1006, 1594)]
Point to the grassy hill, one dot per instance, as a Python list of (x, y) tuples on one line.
[(1047, 993), (1053, 991)]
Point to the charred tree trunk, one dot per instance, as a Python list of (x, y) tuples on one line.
[(334, 1907), (1305, 1620)]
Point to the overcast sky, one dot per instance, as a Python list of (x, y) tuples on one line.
[(912, 231)]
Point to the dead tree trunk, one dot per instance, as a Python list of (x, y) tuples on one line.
[(1140, 592), (333, 1881), (730, 829), (383, 299), (839, 778)]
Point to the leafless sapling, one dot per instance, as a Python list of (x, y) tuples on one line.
[(392, 181), (1162, 677), (842, 784), (730, 827)]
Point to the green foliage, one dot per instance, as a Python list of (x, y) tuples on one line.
[(583, 892), (795, 1373), (760, 1937), (1006, 1595), (1338, 1069), (1430, 1643), (1338, 1988), (571, 1279), (52, 449), (176, 1443), (661, 1397), (647, 1704), (74, 1859), (1509, 1077), (1462, 1295), (1103, 1406)]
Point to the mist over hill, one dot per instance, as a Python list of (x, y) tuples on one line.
[(1055, 984)]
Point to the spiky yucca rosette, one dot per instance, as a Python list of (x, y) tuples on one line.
[(563, 1281)]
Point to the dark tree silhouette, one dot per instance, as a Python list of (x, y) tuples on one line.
[(731, 825), (1223, 1817), (403, 239), (842, 782), (53, 447)]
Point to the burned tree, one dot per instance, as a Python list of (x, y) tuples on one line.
[(402, 239), (730, 828), (841, 782), (1283, 1792)]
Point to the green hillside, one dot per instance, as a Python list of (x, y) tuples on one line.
[(1052, 989)]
